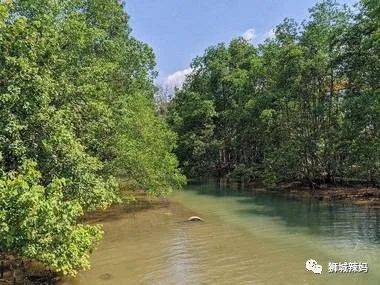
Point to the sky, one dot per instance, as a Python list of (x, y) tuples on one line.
[(179, 30)]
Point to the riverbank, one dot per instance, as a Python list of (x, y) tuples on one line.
[(15, 270), (362, 196), (358, 194)]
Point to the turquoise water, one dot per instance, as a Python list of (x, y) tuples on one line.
[(287, 232)]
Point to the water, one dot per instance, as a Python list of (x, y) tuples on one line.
[(261, 238)]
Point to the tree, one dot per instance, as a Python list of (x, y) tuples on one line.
[(76, 110), (302, 106), (360, 61)]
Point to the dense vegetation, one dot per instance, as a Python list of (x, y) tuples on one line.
[(76, 111), (302, 106)]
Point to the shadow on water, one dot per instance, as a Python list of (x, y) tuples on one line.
[(336, 220)]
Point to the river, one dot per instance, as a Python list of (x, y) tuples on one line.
[(261, 238)]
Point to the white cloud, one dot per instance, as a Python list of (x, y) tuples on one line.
[(259, 38), (249, 34), (176, 79), (270, 34)]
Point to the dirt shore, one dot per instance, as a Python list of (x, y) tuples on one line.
[(356, 194), (360, 195)]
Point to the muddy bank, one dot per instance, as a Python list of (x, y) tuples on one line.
[(360, 195), (16, 270), (356, 194)]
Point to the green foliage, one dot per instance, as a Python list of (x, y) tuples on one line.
[(76, 97), (193, 120), (301, 106), (36, 222), (147, 144)]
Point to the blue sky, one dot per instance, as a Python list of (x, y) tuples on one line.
[(179, 30)]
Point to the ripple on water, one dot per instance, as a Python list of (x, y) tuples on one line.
[(245, 240)]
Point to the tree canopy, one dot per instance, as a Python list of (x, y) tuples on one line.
[(302, 106), (76, 111)]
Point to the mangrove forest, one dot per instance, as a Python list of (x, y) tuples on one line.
[(99, 167)]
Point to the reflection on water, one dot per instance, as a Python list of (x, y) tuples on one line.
[(337, 221), (262, 238)]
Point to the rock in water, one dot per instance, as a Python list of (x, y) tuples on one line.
[(195, 219)]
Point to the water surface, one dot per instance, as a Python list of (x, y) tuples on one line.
[(261, 238)]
